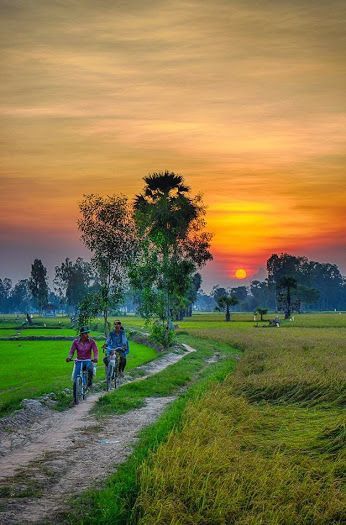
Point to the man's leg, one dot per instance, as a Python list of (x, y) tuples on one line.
[(90, 374), (76, 373), (106, 362), (122, 364)]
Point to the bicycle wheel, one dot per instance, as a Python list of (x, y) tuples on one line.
[(110, 370), (85, 384), (116, 377), (77, 390)]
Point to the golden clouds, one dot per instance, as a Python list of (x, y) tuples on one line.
[(244, 99)]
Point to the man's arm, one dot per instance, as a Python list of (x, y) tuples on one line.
[(72, 351), (125, 344), (95, 350), (108, 343)]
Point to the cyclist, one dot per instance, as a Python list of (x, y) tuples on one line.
[(115, 340), (85, 347)]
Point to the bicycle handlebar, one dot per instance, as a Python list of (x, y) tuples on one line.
[(75, 360)]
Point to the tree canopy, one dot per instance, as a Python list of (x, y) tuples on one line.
[(108, 230), (173, 245), (38, 284)]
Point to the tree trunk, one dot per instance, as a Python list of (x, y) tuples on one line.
[(106, 299), (228, 314), (106, 324)]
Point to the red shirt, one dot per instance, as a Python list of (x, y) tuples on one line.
[(84, 349)]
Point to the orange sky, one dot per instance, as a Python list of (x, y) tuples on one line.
[(243, 98)]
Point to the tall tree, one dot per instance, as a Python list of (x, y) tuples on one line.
[(324, 277), (287, 284), (72, 280), (38, 284), (108, 230), (174, 245), (306, 296)]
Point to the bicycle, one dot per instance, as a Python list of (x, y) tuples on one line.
[(80, 383), (112, 368)]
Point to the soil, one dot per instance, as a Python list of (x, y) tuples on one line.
[(48, 456)]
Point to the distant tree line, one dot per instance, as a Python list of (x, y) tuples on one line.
[(146, 257), (293, 284), (305, 285)]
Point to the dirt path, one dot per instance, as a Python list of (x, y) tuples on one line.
[(62, 454)]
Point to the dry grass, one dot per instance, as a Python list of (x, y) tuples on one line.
[(265, 447), (288, 365), (237, 463)]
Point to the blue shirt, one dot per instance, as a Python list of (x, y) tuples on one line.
[(117, 340)]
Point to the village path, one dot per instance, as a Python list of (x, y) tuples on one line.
[(57, 455)]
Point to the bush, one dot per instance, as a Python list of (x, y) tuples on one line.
[(160, 334)]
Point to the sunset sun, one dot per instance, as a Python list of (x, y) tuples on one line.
[(240, 273)]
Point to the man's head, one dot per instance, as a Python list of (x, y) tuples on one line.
[(117, 326), (84, 333)]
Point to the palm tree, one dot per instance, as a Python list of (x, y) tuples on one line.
[(225, 302), (262, 312), (164, 210), (288, 283), (170, 224)]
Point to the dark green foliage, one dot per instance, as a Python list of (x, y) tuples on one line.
[(323, 277), (20, 299), (173, 245), (286, 284), (262, 312), (38, 284), (5, 294), (89, 307), (225, 302), (72, 280), (108, 230)]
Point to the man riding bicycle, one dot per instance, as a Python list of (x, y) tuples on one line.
[(85, 347), (117, 340)]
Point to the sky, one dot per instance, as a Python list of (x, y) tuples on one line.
[(245, 99)]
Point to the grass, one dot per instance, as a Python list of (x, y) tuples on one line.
[(233, 462), (165, 383), (288, 365), (216, 321), (265, 447), (114, 501), (32, 368), (28, 332), (11, 324)]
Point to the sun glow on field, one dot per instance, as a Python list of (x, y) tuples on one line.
[(240, 273)]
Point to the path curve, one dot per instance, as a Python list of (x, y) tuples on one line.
[(68, 452)]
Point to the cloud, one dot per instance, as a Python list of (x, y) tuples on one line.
[(245, 99)]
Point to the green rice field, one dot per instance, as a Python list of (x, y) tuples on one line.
[(31, 368), (257, 437)]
